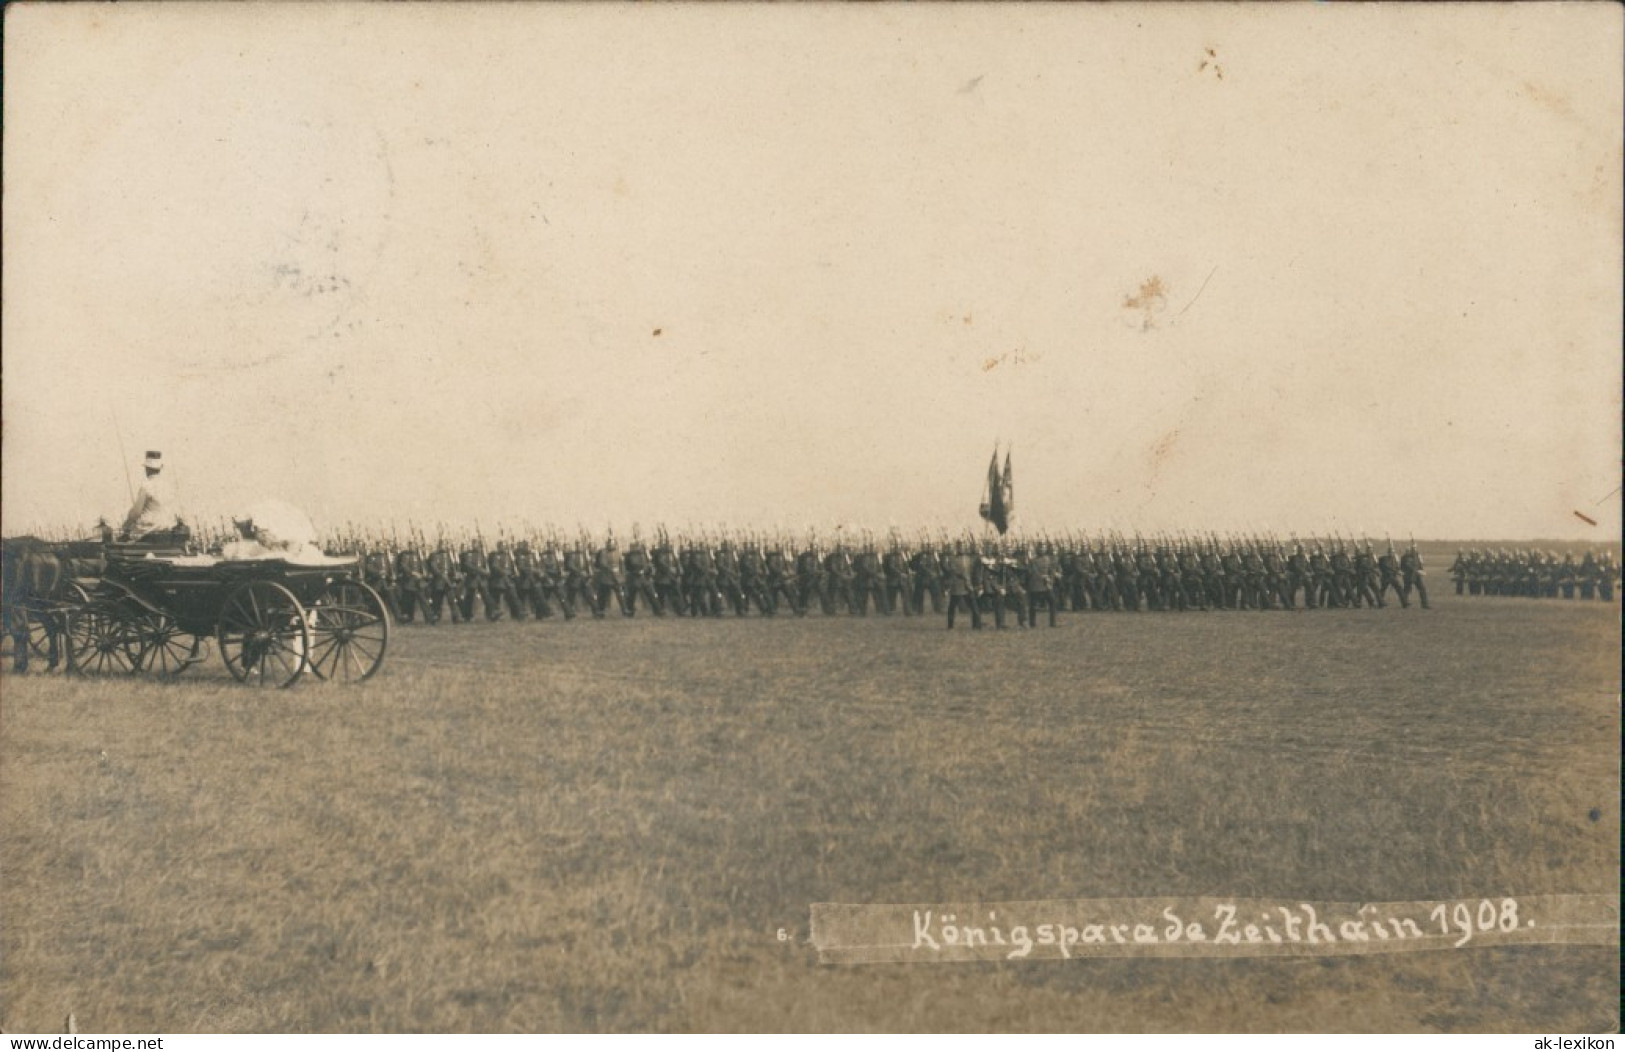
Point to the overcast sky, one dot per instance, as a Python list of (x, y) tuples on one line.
[(1202, 267)]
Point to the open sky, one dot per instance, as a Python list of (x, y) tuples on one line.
[(1201, 266)]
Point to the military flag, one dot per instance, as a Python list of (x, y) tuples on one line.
[(995, 507)]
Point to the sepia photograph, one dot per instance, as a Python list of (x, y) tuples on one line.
[(811, 518)]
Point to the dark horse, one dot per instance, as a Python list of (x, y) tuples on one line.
[(33, 581), (38, 587)]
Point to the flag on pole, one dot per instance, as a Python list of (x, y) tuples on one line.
[(995, 506), (1009, 490)]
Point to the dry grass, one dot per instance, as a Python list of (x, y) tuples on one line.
[(600, 826)]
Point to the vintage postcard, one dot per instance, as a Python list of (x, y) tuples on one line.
[(811, 517)]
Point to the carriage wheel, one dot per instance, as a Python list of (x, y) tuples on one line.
[(349, 632), (41, 626), (263, 636), (101, 640), (39, 636), (163, 648)]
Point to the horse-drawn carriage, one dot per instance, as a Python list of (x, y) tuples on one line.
[(155, 611)]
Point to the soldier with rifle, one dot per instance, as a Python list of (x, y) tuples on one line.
[(578, 579), (753, 577), (925, 570), (667, 577), (608, 580), (471, 570), (1365, 577), (1389, 577), (410, 586), (899, 577), (1041, 575), (444, 584), (502, 581), (729, 583), (1410, 566), (781, 580), (640, 578), (963, 573), (838, 574)]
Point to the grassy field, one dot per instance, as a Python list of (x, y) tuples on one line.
[(602, 826)]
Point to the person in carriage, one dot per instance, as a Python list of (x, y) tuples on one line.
[(152, 521)]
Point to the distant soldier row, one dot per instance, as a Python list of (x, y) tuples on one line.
[(709, 576), (1535, 574)]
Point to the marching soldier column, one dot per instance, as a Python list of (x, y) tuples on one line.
[(535, 575)]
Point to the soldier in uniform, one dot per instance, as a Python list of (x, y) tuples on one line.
[(377, 574), (1365, 577), (1587, 575), (1125, 577), (1275, 583), (501, 581), (1168, 582), (1147, 578), (838, 574), (410, 588), (700, 581), (810, 581), (607, 579), (668, 578), (550, 586), (866, 581), (1235, 578), (1040, 584), (640, 579), (729, 584), (1568, 575), (1342, 576), (471, 568), (899, 579), (1299, 577), (1191, 589), (444, 586), (925, 568), (1389, 575), (1458, 571), (1410, 565), (1325, 584), (996, 582), (527, 580), (962, 572), (781, 579), (578, 580), (753, 578)]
